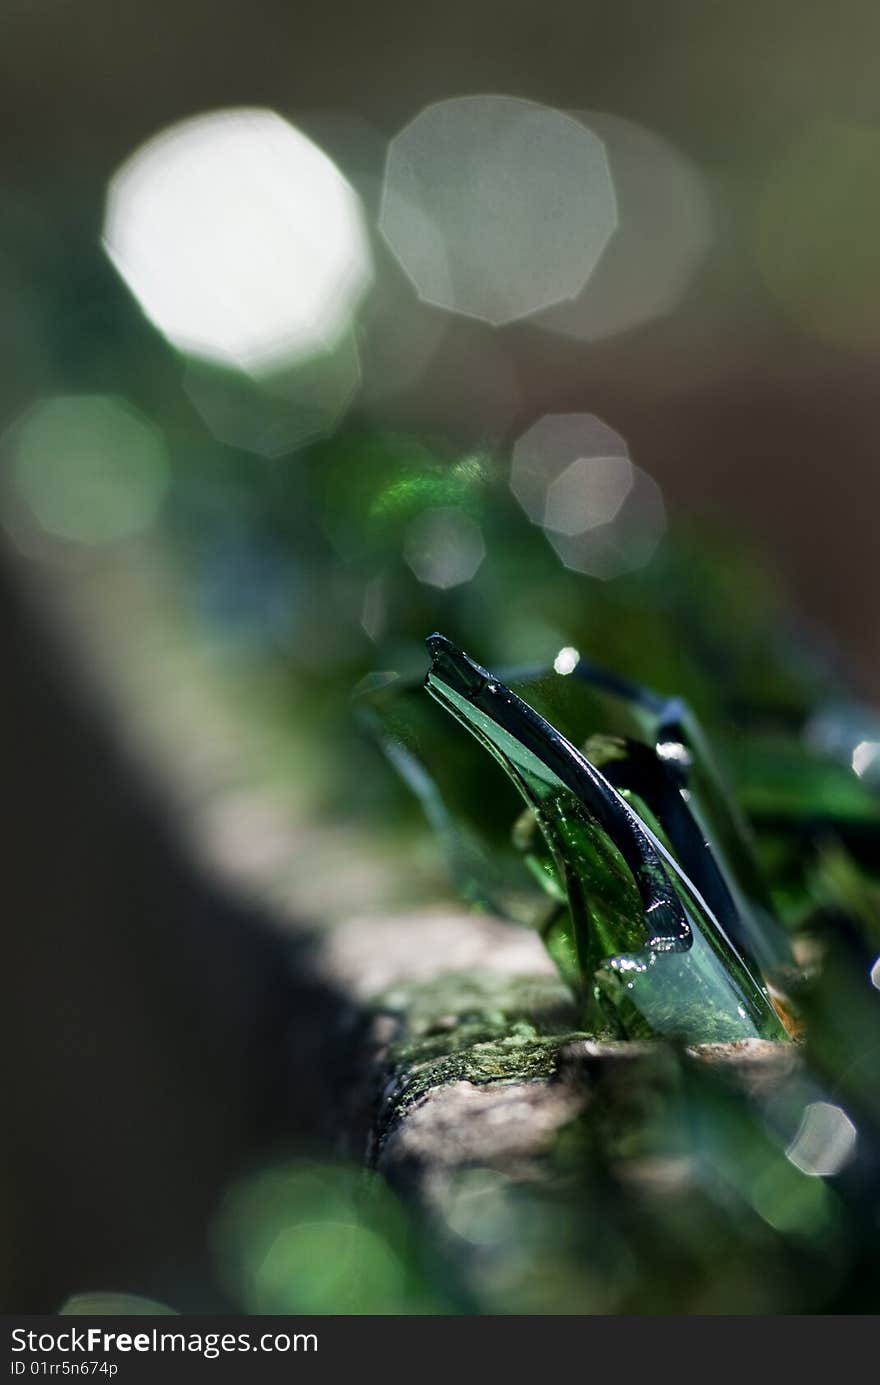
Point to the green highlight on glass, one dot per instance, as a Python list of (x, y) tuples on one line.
[(607, 829)]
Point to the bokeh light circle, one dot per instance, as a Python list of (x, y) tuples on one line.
[(663, 233), (240, 239), (444, 547), (497, 207), (87, 469), (573, 476)]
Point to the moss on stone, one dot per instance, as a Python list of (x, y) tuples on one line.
[(473, 1027)]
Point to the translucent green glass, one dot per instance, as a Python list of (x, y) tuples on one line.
[(598, 868)]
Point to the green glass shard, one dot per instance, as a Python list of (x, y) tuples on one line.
[(653, 751), (645, 922)]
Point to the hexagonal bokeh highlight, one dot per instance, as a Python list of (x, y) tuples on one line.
[(572, 475), (240, 239), (825, 1141), (848, 732), (281, 413), (626, 543), (549, 447), (398, 335), (589, 492), (497, 207), (86, 469), (444, 547), (663, 233)]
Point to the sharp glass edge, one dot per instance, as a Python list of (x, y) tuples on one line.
[(646, 857), (659, 785)]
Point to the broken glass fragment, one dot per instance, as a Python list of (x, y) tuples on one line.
[(608, 831)]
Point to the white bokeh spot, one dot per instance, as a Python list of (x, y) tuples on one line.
[(825, 1140), (497, 207), (589, 492), (444, 547), (240, 239), (664, 231), (572, 475), (566, 660)]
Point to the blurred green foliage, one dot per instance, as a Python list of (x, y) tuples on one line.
[(676, 1191)]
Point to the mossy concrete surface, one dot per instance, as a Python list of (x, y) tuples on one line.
[(465, 1018), (468, 1048)]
